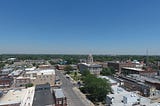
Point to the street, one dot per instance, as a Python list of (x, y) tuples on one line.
[(67, 86)]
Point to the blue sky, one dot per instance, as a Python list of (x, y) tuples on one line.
[(80, 26)]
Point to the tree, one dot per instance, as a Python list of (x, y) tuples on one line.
[(75, 74), (68, 69), (34, 64), (52, 63), (29, 85), (95, 88), (106, 72), (2, 65), (85, 73)]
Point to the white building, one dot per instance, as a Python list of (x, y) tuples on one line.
[(16, 73), (42, 76), (6, 71), (18, 97), (22, 81), (121, 97), (30, 69)]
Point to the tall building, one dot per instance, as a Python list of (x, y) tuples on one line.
[(91, 66), (90, 59)]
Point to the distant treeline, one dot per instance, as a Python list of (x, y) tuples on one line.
[(76, 58)]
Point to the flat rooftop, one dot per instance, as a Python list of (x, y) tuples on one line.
[(117, 90), (16, 72), (30, 69), (20, 77), (47, 71), (17, 96), (143, 78), (110, 79), (43, 96), (132, 97), (39, 72), (7, 69), (134, 69), (59, 93), (92, 65)]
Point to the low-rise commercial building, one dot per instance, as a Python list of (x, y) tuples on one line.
[(145, 85), (22, 81), (127, 99), (144, 72), (6, 71), (60, 99), (42, 76), (44, 66), (15, 73), (43, 96), (60, 67), (17, 97), (30, 69), (6, 81), (116, 65)]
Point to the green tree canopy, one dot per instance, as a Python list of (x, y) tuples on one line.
[(85, 73), (68, 69), (107, 71), (96, 88)]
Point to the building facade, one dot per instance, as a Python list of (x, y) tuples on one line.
[(6, 81), (42, 76), (93, 68), (60, 99), (144, 72)]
